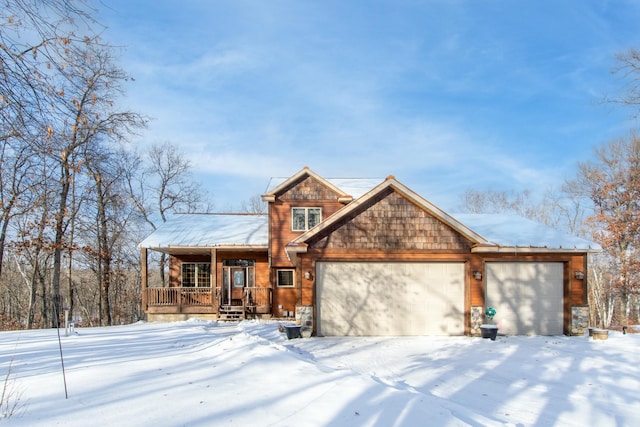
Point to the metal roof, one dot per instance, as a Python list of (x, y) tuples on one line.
[(213, 230), (514, 231), (210, 230), (491, 231), (355, 187)]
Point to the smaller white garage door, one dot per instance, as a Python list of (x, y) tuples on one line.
[(390, 298), (528, 297)]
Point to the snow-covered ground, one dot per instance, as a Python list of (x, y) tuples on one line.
[(200, 373)]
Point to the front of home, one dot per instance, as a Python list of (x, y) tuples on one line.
[(369, 257)]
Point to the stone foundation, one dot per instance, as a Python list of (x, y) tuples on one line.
[(579, 320), (477, 319), (304, 316)]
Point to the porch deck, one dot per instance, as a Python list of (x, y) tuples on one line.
[(208, 301)]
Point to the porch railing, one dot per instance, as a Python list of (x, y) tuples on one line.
[(180, 296), (253, 298), (257, 297)]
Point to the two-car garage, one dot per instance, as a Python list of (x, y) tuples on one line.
[(390, 298), (428, 298)]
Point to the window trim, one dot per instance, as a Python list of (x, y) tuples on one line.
[(306, 217), (293, 277)]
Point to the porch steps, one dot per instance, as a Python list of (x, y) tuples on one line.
[(231, 313)]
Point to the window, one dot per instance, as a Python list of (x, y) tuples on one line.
[(196, 275), (285, 278), (302, 219)]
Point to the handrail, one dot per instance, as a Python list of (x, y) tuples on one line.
[(251, 297), (204, 296), (257, 297), (180, 296)]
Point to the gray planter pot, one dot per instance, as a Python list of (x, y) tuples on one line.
[(489, 331)]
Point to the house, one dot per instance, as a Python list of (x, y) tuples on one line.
[(363, 257)]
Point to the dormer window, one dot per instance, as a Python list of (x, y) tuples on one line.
[(303, 219)]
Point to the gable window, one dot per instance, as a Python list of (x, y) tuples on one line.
[(285, 278), (303, 219), (196, 275)]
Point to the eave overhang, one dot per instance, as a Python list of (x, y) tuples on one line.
[(203, 250), (529, 249)]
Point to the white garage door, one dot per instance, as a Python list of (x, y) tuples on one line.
[(387, 298), (528, 297)]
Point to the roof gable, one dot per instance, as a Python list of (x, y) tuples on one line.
[(344, 189), (504, 232), (432, 218), (391, 222), (312, 177)]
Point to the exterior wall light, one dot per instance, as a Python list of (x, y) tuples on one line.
[(308, 275), (477, 275), (579, 275)]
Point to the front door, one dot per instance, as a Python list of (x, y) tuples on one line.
[(237, 274), (239, 281)]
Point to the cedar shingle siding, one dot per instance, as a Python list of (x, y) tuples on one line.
[(393, 223), (308, 189)]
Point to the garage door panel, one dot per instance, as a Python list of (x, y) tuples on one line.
[(528, 297), (359, 298)]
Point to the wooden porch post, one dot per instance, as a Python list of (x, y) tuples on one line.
[(214, 278), (144, 277)]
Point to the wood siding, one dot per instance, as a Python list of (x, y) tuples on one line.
[(389, 223), (261, 266), (306, 193)]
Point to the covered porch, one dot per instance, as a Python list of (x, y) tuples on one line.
[(217, 267)]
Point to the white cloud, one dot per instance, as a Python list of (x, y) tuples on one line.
[(450, 95)]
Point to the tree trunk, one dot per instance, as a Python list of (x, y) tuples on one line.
[(104, 253), (3, 234), (59, 239), (44, 297)]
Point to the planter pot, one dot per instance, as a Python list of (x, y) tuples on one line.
[(598, 334), (293, 331), (489, 331)]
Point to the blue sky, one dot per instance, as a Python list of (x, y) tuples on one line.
[(444, 95)]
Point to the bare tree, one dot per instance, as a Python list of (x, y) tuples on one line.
[(32, 34), (628, 69), (86, 117), (17, 183), (547, 209), (254, 205), (111, 219), (166, 186), (59, 85)]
